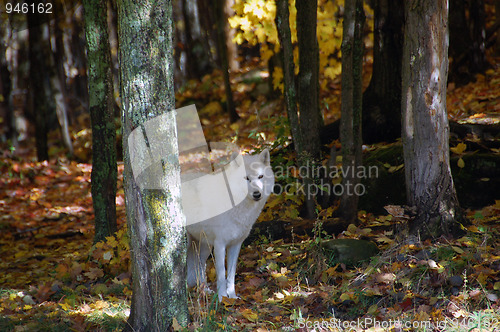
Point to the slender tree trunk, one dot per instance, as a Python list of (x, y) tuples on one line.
[(59, 80), (6, 108), (478, 21), (285, 37), (308, 81), (352, 95), (382, 98), (38, 77), (497, 22), (154, 214), (232, 48), (102, 117), (310, 120), (223, 59), (429, 184)]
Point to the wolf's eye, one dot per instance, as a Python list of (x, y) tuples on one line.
[(261, 176)]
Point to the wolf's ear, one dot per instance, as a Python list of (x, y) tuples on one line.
[(264, 157)]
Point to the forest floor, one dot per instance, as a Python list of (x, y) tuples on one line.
[(52, 277)]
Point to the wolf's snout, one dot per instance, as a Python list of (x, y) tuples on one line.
[(257, 195)]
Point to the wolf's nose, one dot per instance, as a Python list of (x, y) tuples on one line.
[(256, 195)]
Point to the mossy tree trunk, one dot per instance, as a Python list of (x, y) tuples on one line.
[(350, 121), (154, 216), (101, 104), (429, 184)]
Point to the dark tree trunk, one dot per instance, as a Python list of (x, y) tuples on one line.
[(350, 121), (39, 76), (285, 37), (467, 28), (223, 59), (6, 109), (308, 81), (80, 82), (429, 184), (208, 34), (102, 117), (59, 80), (154, 215), (310, 120), (497, 23), (382, 98), (478, 30)]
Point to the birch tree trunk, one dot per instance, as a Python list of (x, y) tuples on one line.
[(429, 184), (154, 215)]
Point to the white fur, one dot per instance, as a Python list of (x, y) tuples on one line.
[(227, 231)]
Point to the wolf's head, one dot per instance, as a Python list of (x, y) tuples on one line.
[(260, 176)]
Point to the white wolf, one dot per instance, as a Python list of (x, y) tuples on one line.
[(227, 231)]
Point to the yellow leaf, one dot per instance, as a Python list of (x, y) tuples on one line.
[(345, 297), (459, 149), (64, 306), (461, 163)]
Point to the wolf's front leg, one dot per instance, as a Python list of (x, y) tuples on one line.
[(220, 258), (232, 261)]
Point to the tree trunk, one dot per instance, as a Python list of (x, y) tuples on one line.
[(101, 113), (352, 93), (223, 59), (59, 80), (38, 77), (6, 109), (467, 28), (285, 37), (308, 82), (232, 48), (382, 98), (429, 184), (154, 215), (310, 120), (497, 22), (477, 14)]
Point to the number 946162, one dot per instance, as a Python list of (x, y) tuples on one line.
[(25, 8)]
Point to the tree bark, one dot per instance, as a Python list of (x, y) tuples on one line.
[(285, 37), (429, 184), (104, 170), (310, 120), (59, 80), (155, 219), (350, 121), (38, 77), (467, 40), (382, 98), (223, 59), (308, 82)]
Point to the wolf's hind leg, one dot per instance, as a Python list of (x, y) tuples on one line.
[(198, 252), (232, 261)]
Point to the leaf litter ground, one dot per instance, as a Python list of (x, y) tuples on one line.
[(53, 278)]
